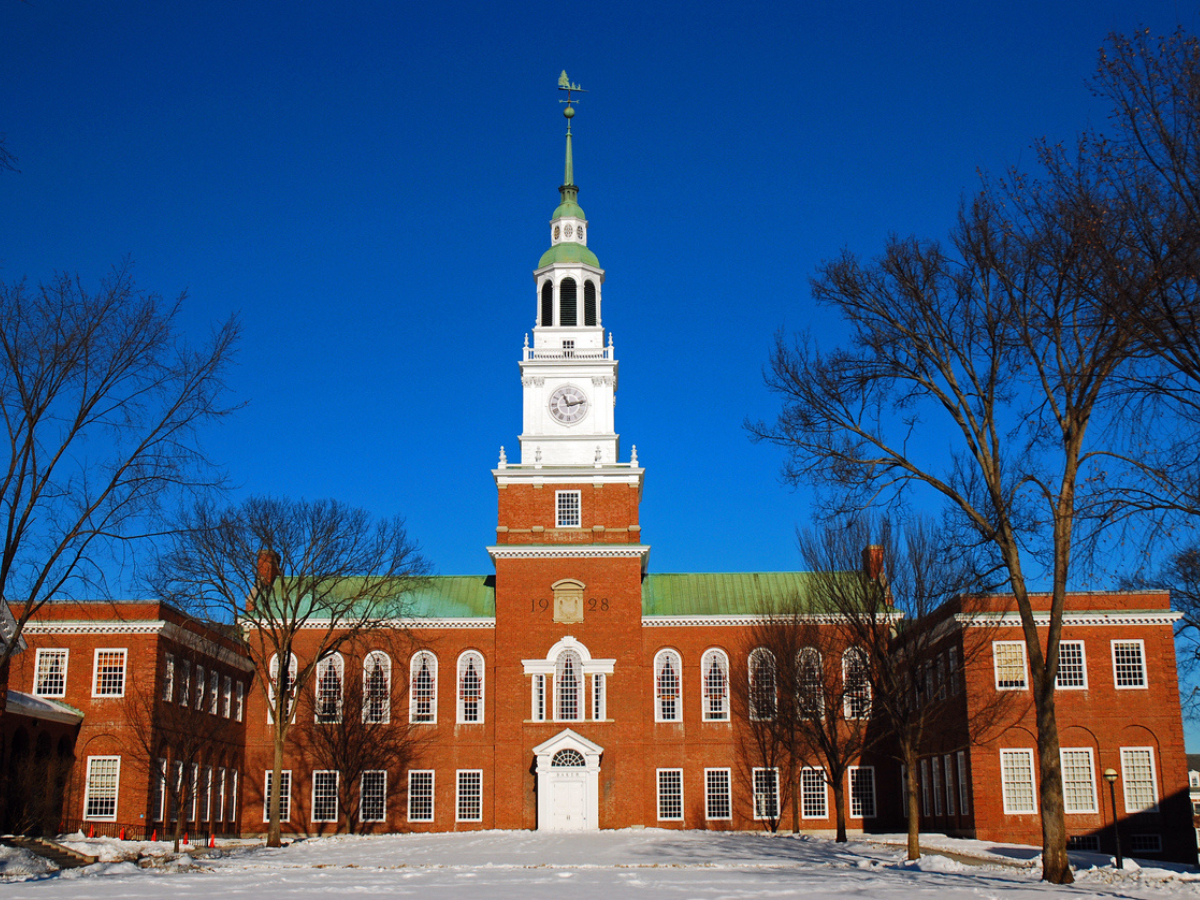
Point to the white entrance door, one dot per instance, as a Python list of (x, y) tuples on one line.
[(570, 811)]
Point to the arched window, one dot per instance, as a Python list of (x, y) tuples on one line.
[(810, 684), (567, 759), (668, 681), (288, 682), (568, 687), (422, 695), (566, 302), (714, 685), (589, 303), (547, 304), (470, 687), (762, 685), (856, 684), (329, 689), (377, 688)]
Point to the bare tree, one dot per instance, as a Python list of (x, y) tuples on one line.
[(102, 404), (989, 348), (277, 568)]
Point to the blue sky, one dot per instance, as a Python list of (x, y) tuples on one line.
[(367, 185)]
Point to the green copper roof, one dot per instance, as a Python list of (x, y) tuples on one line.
[(567, 209), (455, 597), (722, 593), (568, 252)]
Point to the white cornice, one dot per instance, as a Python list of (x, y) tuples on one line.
[(463, 622), (1092, 617), (168, 630), (571, 551), (741, 621)]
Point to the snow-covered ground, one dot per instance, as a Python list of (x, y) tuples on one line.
[(606, 865)]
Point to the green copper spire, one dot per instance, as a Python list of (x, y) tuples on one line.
[(569, 249)]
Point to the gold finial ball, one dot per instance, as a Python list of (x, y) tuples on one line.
[(569, 112)]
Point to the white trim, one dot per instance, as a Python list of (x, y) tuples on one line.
[(362, 794), (412, 694), (705, 699), (676, 658), (1004, 784), (1024, 685), (850, 792), (432, 793), (1058, 686), (819, 771), (659, 794), (337, 783), (169, 630), (1145, 668), (124, 651), (458, 697), (458, 795), (1092, 618), (460, 622), (578, 551), (285, 810), (87, 789), (1091, 764), (728, 795), (754, 792), (1153, 808), (741, 621), (37, 670), (558, 509)]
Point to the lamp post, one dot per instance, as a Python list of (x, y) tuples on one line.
[(1110, 775)]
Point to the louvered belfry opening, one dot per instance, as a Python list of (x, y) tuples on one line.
[(589, 303), (566, 302), (547, 304)]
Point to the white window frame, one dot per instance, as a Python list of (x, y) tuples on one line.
[(272, 682), (99, 790), (337, 663), (461, 796), (925, 787), (754, 776), (948, 768), (385, 668), (664, 778), (810, 778), (219, 812), (432, 793), (964, 784), (168, 691), (1009, 808), (362, 795), (214, 692), (859, 657), (285, 796), (124, 653), (600, 697), (464, 658), (760, 658), (1091, 770), (1058, 685), (810, 683), (661, 659), (707, 711), (204, 793), (1129, 806), (935, 781), (201, 682), (1020, 645), (562, 505), (47, 654), (537, 698), (158, 796), (857, 797), (321, 775), (185, 683), (714, 780), (1141, 645), (580, 686), (413, 663), (226, 696), (233, 795), (240, 698)]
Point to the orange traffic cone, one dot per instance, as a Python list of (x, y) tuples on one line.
[(185, 840), (122, 833), (154, 837), (91, 831), (212, 840)]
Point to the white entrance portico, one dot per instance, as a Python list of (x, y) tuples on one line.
[(568, 770)]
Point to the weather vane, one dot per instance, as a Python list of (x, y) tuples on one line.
[(564, 84)]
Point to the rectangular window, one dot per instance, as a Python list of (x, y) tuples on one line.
[(194, 791), (1145, 843), (51, 679), (158, 790), (420, 796), (100, 797), (372, 801), (1009, 660), (1072, 670), (185, 683), (1079, 781), (325, 796), (168, 692), (226, 697), (936, 785), (964, 786), (718, 803), (199, 688), (925, 787), (1137, 773), (1084, 842), (285, 796), (110, 674), (862, 792), (240, 701), (599, 701), (539, 698), (1129, 664), (941, 677), (670, 795), (766, 793), (814, 797), (949, 767), (566, 505), (219, 796), (177, 791), (955, 671), (233, 797), (204, 794), (469, 800), (214, 696), (1016, 777)]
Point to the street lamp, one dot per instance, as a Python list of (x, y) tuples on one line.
[(1110, 775)]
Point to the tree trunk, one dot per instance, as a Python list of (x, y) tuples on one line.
[(274, 830), (1056, 868), (839, 803), (796, 803), (914, 812)]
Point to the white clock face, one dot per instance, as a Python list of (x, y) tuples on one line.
[(568, 404)]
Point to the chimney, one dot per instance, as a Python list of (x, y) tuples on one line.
[(267, 572), (872, 561)]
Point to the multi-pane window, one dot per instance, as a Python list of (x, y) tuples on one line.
[(762, 684), (856, 683), (1078, 779), (285, 796), (470, 688), (949, 767), (214, 692), (158, 790), (200, 682), (233, 794), (240, 698), (329, 690), (377, 689), (203, 792), (1016, 779), (925, 787), (569, 758), (110, 674), (714, 686), (566, 509), (766, 793), (185, 683), (100, 797), (176, 793), (422, 696), (325, 796), (568, 687), (168, 688), (51, 679), (1009, 660), (670, 795), (1145, 843), (1137, 773), (814, 795), (599, 698), (226, 696), (1072, 669), (286, 681), (810, 684), (539, 698), (862, 792), (936, 784), (372, 799), (718, 803), (668, 705), (955, 671), (420, 796), (1129, 664), (194, 791), (219, 796), (964, 785), (469, 800)]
